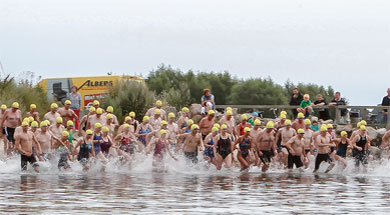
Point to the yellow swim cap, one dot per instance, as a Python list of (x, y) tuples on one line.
[(47, 122), (194, 127), (307, 122), (127, 118), (229, 108), (92, 109), (185, 110), (247, 129), (363, 128), (65, 134), (363, 122), (43, 124), (59, 119), (53, 105), (68, 102), (343, 133), (132, 114), (163, 122), (34, 124), (329, 126), (126, 125), (98, 125), (96, 102), (3, 107), (282, 116), (301, 131), (287, 122), (105, 129), (30, 119), (211, 112), (157, 111), (89, 132), (358, 125), (69, 123), (324, 128), (214, 129), (224, 126), (99, 111), (217, 125), (159, 103), (146, 119), (270, 124), (24, 123), (26, 119), (15, 105), (109, 116), (171, 115), (110, 109), (300, 116), (283, 112), (244, 117), (190, 122), (33, 106), (229, 113), (257, 122), (163, 131)]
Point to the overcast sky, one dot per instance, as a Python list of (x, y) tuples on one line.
[(345, 44)]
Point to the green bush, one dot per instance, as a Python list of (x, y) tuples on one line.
[(129, 96)]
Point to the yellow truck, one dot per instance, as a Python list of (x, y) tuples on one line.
[(90, 88)]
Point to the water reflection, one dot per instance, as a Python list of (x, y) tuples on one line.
[(164, 193)]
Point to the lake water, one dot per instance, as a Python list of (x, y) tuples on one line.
[(192, 190)]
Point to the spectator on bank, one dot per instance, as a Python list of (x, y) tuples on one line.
[(75, 99), (306, 106), (337, 100), (323, 113), (386, 102), (207, 101), (296, 99)]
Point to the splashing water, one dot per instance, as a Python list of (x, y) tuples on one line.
[(191, 189)]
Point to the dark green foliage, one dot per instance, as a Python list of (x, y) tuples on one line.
[(129, 96)]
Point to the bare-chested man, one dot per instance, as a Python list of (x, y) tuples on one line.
[(266, 148), (110, 110), (323, 144), (192, 142), (25, 142), (173, 129), (296, 150), (97, 118), (207, 123), (12, 118), (308, 141), (66, 113), (255, 131), (45, 140), (299, 123), (285, 134), (33, 113), (228, 120), (152, 110), (52, 115), (156, 119), (57, 128), (110, 125)]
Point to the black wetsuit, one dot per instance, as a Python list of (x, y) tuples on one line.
[(361, 156)]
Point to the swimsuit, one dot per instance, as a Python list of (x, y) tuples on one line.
[(223, 147), (105, 146), (245, 145), (192, 156), (142, 138), (266, 157), (322, 158), (342, 150), (83, 155), (208, 151), (127, 145), (159, 150), (27, 159), (294, 159), (96, 146), (361, 156)]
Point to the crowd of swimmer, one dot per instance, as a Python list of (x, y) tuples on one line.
[(101, 138)]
